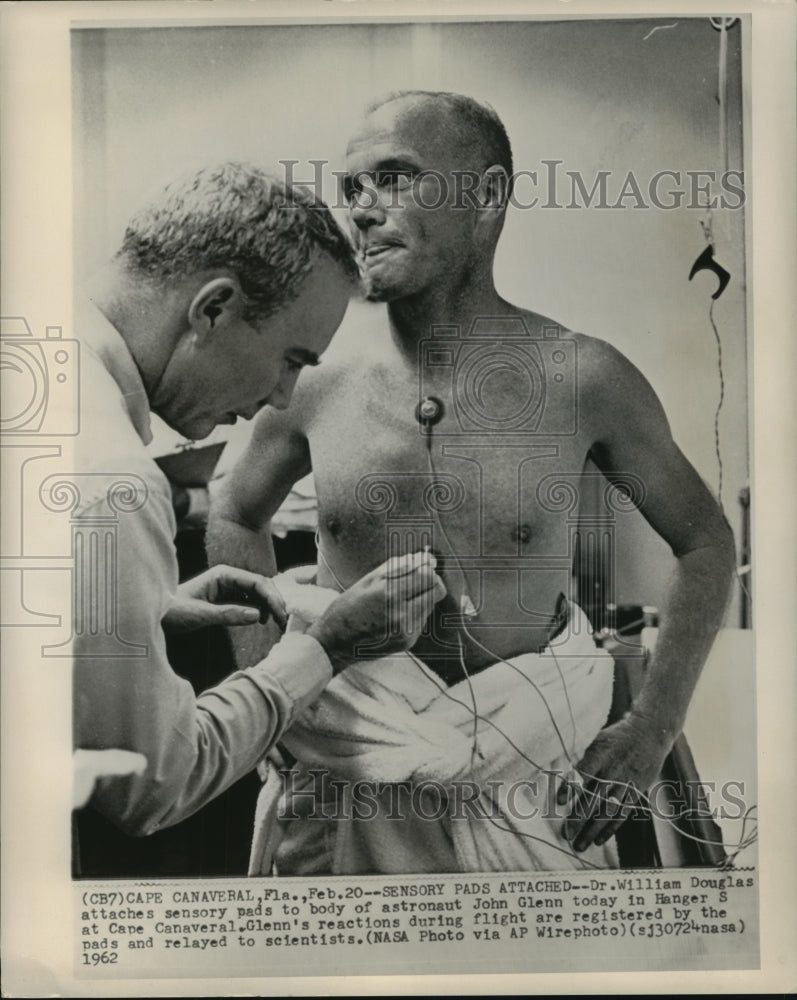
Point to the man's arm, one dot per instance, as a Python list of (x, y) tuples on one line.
[(238, 532), (195, 747), (633, 436)]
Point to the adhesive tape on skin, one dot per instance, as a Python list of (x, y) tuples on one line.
[(467, 607)]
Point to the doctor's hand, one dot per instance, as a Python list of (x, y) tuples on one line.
[(622, 762), (224, 595), (388, 607)]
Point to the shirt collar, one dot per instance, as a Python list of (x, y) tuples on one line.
[(104, 341)]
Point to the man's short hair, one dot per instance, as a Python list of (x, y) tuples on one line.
[(468, 121), (237, 217)]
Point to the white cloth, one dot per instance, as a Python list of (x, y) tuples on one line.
[(392, 720)]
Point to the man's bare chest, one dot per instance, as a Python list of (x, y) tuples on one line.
[(500, 490)]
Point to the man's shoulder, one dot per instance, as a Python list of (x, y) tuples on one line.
[(596, 359), (604, 377), (598, 364), (613, 394)]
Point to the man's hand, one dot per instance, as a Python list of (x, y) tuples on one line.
[(623, 760), (225, 596), (391, 604)]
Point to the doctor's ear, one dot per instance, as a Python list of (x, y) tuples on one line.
[(214, 305)]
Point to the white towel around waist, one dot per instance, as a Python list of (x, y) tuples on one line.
[(476, 793)]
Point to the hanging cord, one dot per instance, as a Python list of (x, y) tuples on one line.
[(433, 473), (719, 404), (722, 96), (568, 754), (722, 101), (722, 25)]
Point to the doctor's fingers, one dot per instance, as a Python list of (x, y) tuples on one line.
[(416, 612), (397, 567), (422, 581), (253, 589)]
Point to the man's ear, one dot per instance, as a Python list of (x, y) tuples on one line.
[(494, 188), (214, 305)]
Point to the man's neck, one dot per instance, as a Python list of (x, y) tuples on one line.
[(145, 322), (412, 318)]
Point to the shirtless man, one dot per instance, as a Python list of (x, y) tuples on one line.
[(510, 403)]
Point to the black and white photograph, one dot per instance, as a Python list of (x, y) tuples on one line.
[(386, 510)]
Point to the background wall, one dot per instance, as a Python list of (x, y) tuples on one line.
[(598, 95)]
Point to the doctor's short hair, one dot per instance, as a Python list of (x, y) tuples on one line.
[(235, 216)]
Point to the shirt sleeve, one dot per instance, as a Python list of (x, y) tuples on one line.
[(195, 746)]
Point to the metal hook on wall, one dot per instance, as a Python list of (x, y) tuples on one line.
[(706, 262)]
